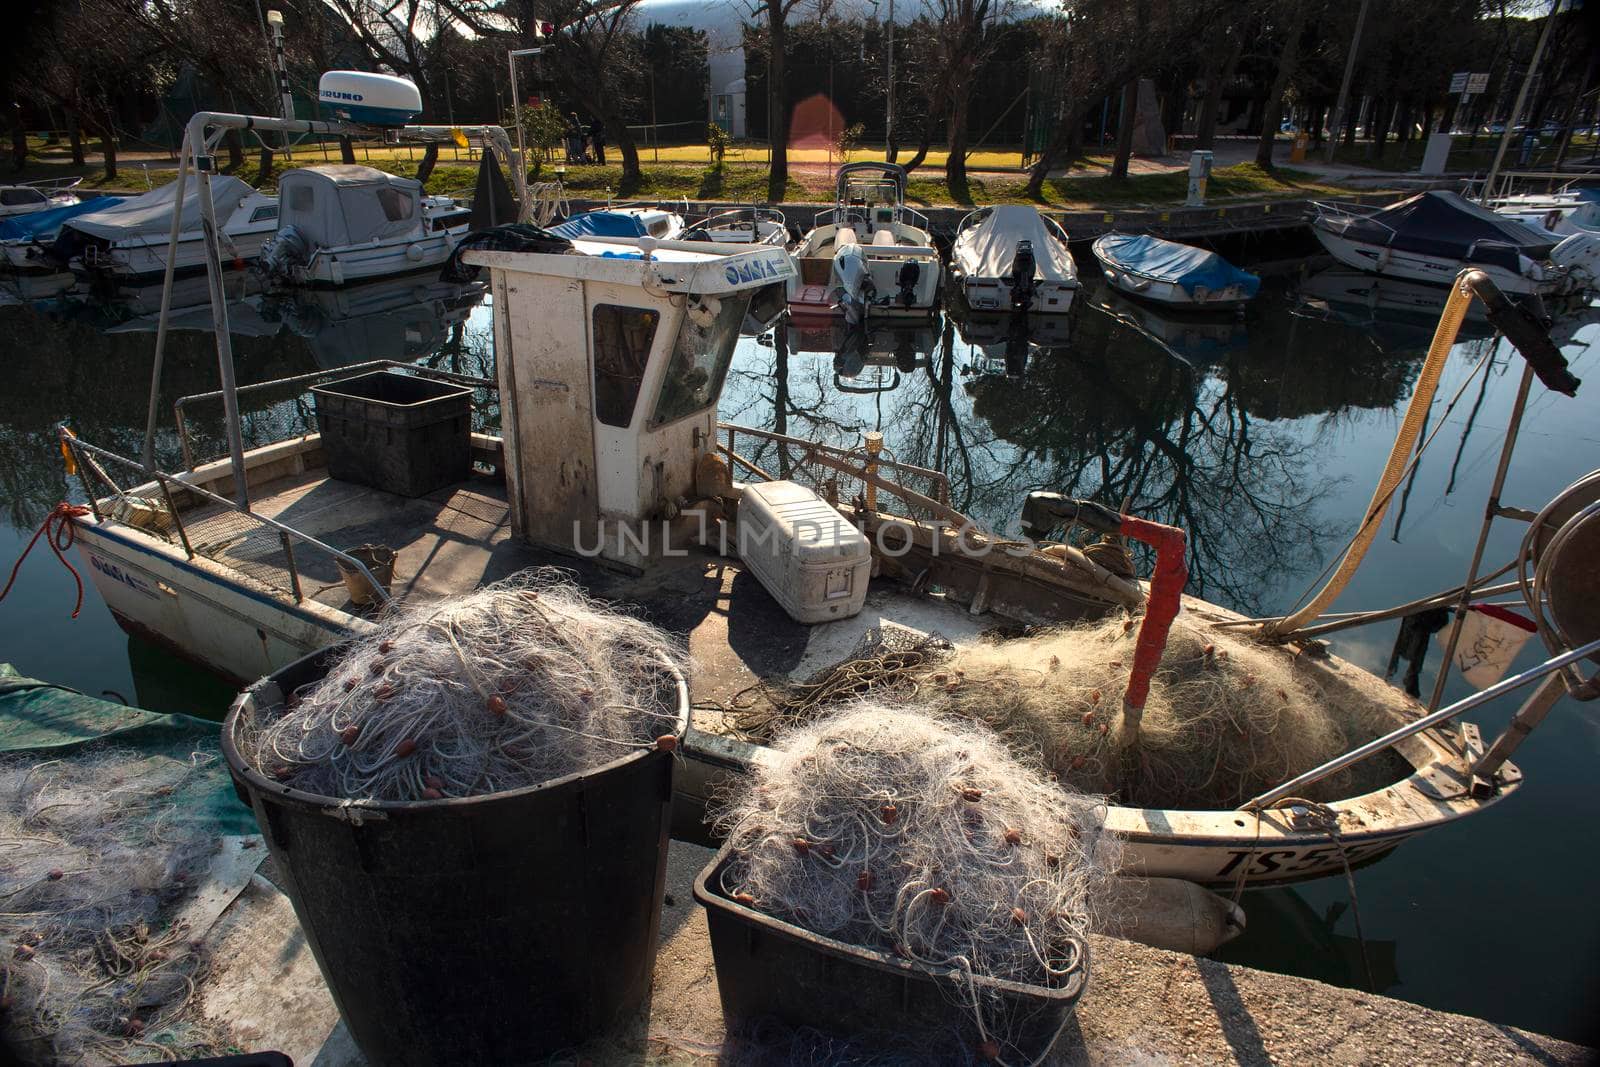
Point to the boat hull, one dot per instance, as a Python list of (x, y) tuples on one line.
[(1050, 297), (359, 263), (1416, 267), (147, 260)]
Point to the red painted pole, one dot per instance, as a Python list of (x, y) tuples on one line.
[(1161, 607)]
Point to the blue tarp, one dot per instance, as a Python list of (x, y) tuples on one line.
[(44, 224), (1168, 261), (601, 224)]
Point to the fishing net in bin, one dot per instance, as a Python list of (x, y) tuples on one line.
[(518, 683), (894, 830)]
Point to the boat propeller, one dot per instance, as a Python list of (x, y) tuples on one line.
[(907, 279)]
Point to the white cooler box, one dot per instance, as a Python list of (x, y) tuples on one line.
[(804, 552)]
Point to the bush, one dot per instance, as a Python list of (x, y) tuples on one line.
[(717, 140)]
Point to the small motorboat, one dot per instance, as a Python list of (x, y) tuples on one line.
[(23, 238), (1432, 236), (1563, 213), (743, 225), (1013, 257), (868, 255), (1173, 275), (29, 197), (628, 222), (128, 242), (341, 223)]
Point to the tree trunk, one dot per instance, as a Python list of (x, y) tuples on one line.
[(1067, 132), (1288, 61), (235, 152), (924, 142), (108, 148), (264, 167), (19, 145), (1351, 119), (955, 167), (777, 109), (75, 137), (1125, 115), (632, 177), (347, 150), (430, 158)]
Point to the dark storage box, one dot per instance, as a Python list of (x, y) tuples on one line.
[(474, 930), (396, 432), (768, 969)]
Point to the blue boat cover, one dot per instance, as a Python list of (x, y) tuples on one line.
[(1168, 261), (601, 224), (44, 224)]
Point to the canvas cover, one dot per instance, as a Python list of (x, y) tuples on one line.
[(45, 223), (602, 224), (1186, 266), (986, 250), (1444, 224), (339, 204), (151, 213)]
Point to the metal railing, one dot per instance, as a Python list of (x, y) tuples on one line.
[(281, 423), (217, 529)]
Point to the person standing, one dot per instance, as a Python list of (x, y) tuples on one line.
[(574, 139), (597, 140)]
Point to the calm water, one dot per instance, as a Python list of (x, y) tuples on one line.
[(1262, 437)]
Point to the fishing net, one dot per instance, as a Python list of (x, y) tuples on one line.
[(1226, 718), (897, 831), (519, 683), (95, 859)]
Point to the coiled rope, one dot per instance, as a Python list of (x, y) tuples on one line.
[(61, 534)]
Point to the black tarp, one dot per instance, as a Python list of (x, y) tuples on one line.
[(492, 202), (1439, 223)]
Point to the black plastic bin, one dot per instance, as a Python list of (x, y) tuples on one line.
[(396, 432), (771, 970), (492, 930)]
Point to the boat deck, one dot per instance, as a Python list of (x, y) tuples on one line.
[(460, 537)]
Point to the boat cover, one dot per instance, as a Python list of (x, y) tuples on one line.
[(46, 223), (1444, 224), (602, 224), (342, 204), (987, 248), (151, 213), (1183, 265)]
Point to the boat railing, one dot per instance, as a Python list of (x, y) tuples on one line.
[(291, 563), (281, 409), (843, 476)]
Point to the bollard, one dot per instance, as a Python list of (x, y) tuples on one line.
[(1199, 175)]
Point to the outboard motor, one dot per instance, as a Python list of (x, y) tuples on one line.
[(910, 274), (1022, 267), (856, 289), (1579, 256), (286, 250)]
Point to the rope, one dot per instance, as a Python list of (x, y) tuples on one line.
[(1455, 311), (62, 534)]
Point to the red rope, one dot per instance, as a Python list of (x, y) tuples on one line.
[(58, 525)]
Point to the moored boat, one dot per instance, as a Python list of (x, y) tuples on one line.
[(24, 238), (869, 255), (654, 222), (1177, 276), (1012, 257), (26, 198)]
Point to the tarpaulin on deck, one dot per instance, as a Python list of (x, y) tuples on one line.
[(988, 249), (45, 223), (1167, 261), (602, 224), (151, 213), (53, 722)]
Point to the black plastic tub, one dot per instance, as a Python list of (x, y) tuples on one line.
[(396, 432), (771, 970), (491, 930)]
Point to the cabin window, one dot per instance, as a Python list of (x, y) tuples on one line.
[(622, 340), (700, 359), (397, 206), (302, 199), (262, 214), (659, 227)]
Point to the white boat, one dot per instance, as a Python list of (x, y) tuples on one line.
[(1564, 213), (1433, 236), (1177, 276), (24, 238), (1012, 257), (659, 223), (28, 197), (869, 255), (128, 242), (742, 225), (340, 223)]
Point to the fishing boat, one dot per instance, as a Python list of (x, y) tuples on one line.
[(742, 225), (611, 355), (1176, 276), (1433, 236), (29, 197), (24, 238), (129, 242), (652, 222), (1012, 257), (339, 224), (868, 255)]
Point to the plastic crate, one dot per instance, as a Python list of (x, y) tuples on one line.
[(396, 432), (768, 969)]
